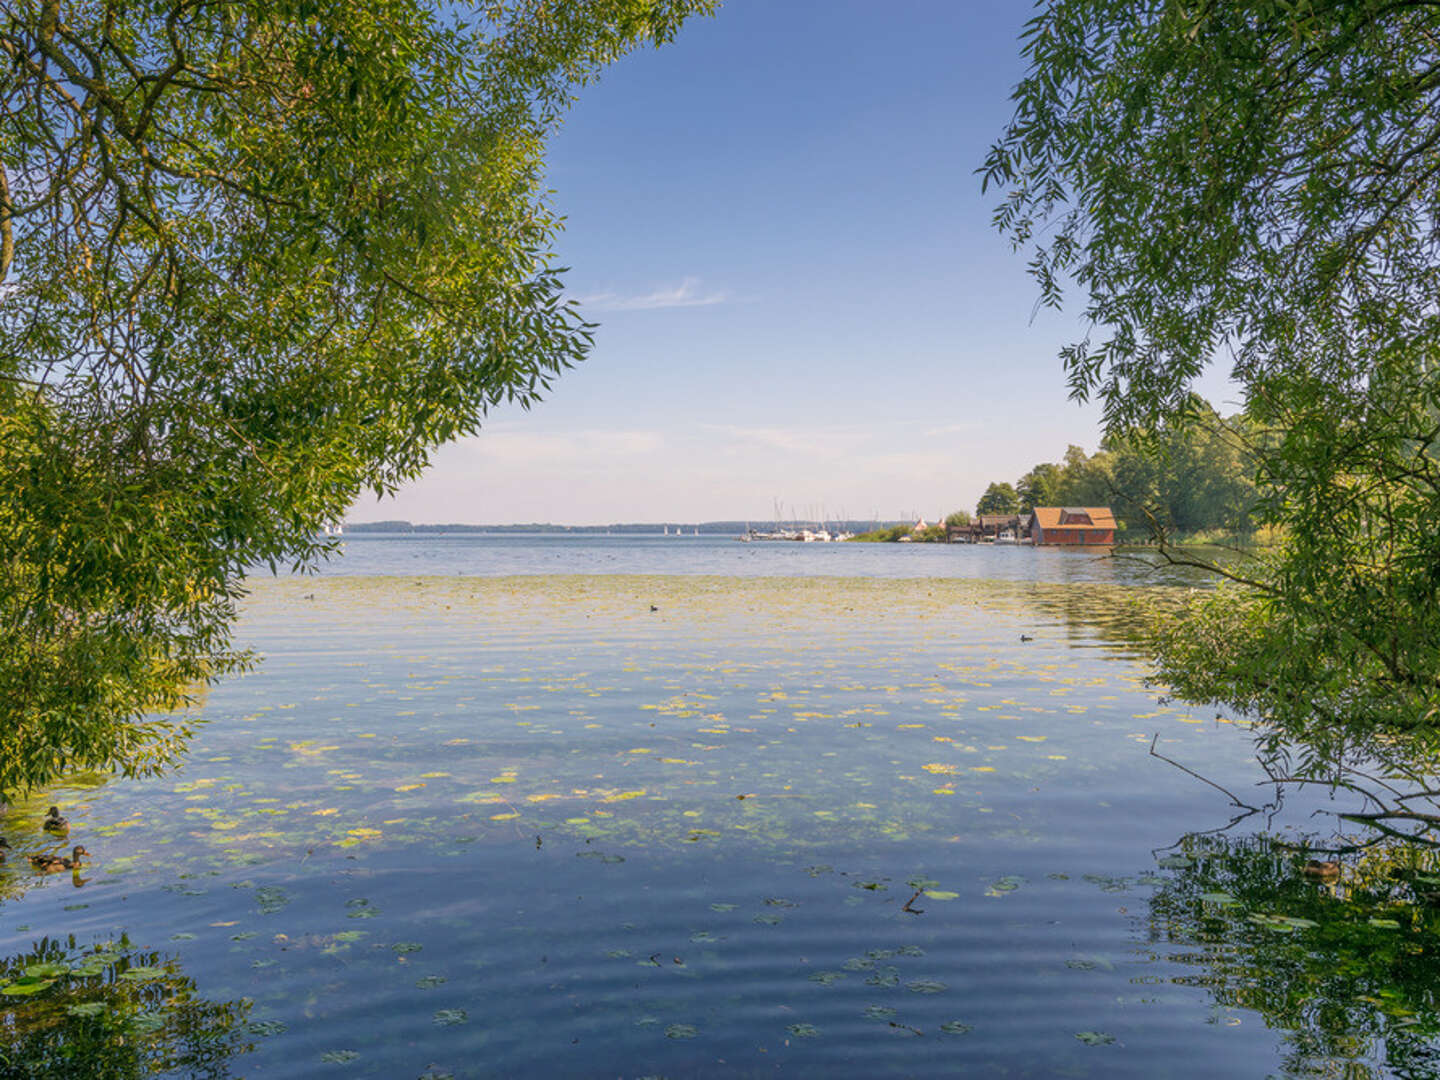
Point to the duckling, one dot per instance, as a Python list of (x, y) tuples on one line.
[(54, 822), (51, 864), (1321, 871)]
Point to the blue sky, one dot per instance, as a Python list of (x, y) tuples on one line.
[(777, 223)]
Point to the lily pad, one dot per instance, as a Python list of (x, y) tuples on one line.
[(879, 1012), (270, 899), (25, 986), (146, 1024), (804, 1031), (339, 1057), (825, 978), (1384, 924), (941, 894), (926, 986), (450, 1017), (1095, 1038), (681, 1031), (956, 1027), (88, 1009), (1281, 924), (144, 974), (429, 982), (47, 970), (267, 1028)]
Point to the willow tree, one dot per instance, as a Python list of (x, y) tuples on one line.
[(257, 258), (1257, 183)]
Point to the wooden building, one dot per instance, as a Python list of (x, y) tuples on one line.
[(1084, 525)]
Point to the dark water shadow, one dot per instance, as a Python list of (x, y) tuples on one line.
[(1343, 959), (112, 1011)]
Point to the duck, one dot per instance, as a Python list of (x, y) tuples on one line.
[(4, 847), (54, 822), (1321, 871), (50, 864)]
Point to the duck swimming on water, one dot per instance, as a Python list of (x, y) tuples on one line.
[(54, 822), (50, 864)]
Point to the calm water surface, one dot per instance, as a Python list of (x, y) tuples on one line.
[(549, 553), (623, 808)]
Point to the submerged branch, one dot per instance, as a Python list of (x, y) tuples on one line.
[(1224, 791)]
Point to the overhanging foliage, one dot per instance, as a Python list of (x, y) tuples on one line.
[(1260, 181), (257, 258)]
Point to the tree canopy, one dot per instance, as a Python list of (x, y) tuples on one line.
[(256, 259), (1182, 479), (1258, 182), (999, 498)]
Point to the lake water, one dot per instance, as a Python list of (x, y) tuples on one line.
[(550, 553), (619, 807)]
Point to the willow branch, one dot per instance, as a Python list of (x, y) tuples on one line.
[(7, 229)]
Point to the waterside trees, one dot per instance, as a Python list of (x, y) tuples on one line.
[(1259, 182), (256, 259), (1186, 479)]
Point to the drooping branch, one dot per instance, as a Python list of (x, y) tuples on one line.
[(7, 228)]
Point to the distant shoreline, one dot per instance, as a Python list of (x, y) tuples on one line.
[(684, 528)]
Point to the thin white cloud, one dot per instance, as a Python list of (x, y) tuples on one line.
[(821, 442), (578, 449), (963, 428), (686, 294)]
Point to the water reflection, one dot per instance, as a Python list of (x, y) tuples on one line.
[(111, 1010), (1344, 963)]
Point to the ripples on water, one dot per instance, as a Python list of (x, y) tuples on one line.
[(668, 824), (547, 553)]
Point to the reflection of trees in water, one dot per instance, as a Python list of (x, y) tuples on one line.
[(1350, 970), (110, 1012), (1115, 614)]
